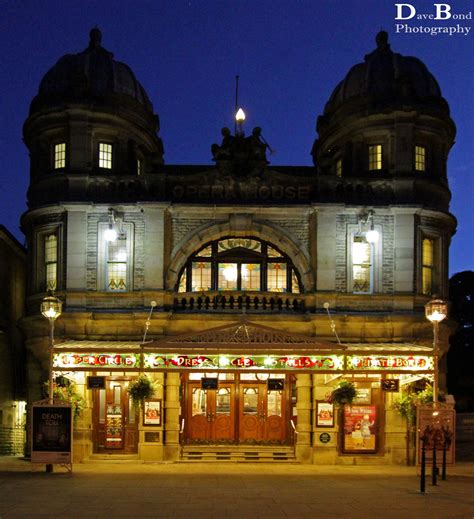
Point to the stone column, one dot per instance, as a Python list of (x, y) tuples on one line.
[(303, 406), (172, 406)]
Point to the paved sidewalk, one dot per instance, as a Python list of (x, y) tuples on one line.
[(231, 490)]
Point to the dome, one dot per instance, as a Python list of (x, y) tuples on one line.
[(387, 80), (93, 75)]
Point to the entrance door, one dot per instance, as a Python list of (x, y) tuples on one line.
[(211, 414), (261, 413), (115, 420)]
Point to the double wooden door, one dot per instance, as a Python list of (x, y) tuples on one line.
[(235, 412), (115, 420)]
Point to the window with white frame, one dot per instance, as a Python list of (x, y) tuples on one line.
[(420, 158), (115, 259), (60, 155), (50, 254), (105, 155), (362, 264), (375, 157)]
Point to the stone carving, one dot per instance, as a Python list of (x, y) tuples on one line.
[(240, 155)]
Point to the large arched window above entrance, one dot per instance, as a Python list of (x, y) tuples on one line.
[(247, 264)]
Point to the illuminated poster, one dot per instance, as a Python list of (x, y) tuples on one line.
[(360, 426), (51, 433)]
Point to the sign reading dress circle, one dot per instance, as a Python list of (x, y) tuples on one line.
[(325, 437)]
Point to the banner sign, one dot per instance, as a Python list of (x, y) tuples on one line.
[(51, 433), (96, 360), (242, 362), (176, 361), (390, 362)]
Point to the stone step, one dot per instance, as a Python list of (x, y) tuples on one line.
[(114, 458), (242, 454)]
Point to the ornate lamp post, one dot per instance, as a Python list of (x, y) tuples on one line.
[(240, 118), (51, 308), (436, 311)]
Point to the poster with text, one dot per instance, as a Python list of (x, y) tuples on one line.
[(51, 436), (360, 428)]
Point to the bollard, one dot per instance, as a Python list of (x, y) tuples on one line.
[(443, 469), (434, 468), (423, 465)]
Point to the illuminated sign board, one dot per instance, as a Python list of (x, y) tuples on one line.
[(244, 362), (96, 360), (390, 362)]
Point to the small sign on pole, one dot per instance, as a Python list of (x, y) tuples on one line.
[(51, 432)]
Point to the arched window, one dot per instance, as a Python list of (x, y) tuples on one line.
[(246, 264)]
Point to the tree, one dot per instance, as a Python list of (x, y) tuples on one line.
[(461, 354)]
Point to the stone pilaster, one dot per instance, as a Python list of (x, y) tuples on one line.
[(303, 406), (172, 406)]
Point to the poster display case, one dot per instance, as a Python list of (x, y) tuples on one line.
[(360, 429)]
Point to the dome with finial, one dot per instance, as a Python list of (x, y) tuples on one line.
[(386, 80), (91, 76)]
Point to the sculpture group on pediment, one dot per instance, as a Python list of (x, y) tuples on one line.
[(242, 154)]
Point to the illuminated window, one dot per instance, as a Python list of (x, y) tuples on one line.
[(276, 277), (375, 157), (139, 167), (338, 168), (105, 155), (201, 276), (361, 265), (250, 273), (427, 261), (60, 155), (228, 273), (247, 264), (51, 261), (420, 158), (117, 264)]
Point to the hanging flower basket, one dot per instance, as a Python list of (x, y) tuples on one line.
[(142, 388), (67, 392), (344, 394)]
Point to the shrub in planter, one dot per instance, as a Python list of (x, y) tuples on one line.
[(142, 388), (67, 392), (344, 394)]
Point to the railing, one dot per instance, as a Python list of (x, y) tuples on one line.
[(12, 440), (261, 302)]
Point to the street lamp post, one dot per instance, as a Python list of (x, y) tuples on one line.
[(436, 311), (51, 308)]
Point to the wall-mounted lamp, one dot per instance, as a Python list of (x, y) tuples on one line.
[(367, 221), (111, 234)]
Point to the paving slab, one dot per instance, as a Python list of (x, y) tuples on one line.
[(213, 490)]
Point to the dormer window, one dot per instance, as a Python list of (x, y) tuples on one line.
[(420, 158), (375, 157), (60, 155), (105, 155)]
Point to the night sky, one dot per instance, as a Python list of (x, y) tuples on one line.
[(289, 54)]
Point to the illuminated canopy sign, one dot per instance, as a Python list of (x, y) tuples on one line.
[(390, 362), (96, 360), (232, 362)]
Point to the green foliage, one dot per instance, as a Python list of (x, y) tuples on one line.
[(142, 388), (68, 393), (406, 405), (344, 393)]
